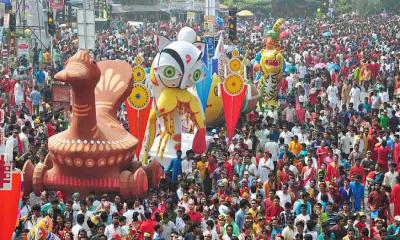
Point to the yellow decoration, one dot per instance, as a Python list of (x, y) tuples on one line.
[(245, 13), (233, 84), (235, 53), (138, 74), (139, 60), (214, 112), (139, 97), (235, 64)]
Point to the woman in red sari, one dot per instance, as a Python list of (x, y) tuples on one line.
[(308, 172)]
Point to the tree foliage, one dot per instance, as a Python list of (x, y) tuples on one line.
[(342, 6), (252, 5), (364, 7)]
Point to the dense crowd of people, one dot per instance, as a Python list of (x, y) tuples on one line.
[(323, 165)]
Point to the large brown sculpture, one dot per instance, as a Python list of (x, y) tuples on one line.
[(95, 153)]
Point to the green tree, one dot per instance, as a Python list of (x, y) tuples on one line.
[(365, 7), (342, 6), (256, 6), (391, 5)]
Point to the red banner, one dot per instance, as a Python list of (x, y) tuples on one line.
[(56, 4), (231, 109), (9, 207), (137, 120)]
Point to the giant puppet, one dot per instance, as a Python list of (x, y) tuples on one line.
[(271, 64), (177, 67), (95, 153)]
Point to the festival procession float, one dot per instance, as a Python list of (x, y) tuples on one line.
[(185, 87), (96, 152), (270, 63)]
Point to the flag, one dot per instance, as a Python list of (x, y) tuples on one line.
[(138, 106), (203, 87), (220, 55), (9, 206), (232, 108)]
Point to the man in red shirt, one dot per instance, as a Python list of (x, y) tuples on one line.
[(382, 153), (357, 169), (378, 200), (395, 197), (193, 214), (274, 210), (372, 140), (147, 226), (50, 128), (322, 153)]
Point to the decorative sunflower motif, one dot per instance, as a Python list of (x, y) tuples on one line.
[(138, 74), (139, 97), (234, 84), (234, 65), (138, 60), (235, 53)]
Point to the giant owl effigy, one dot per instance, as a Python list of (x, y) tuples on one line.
[(177, 67)]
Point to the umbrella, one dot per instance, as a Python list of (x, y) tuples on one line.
[(320, 65), (245, 13), (327, 34), (333, 66), (284, 34)]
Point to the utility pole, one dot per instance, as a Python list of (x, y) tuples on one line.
[(86, 25)]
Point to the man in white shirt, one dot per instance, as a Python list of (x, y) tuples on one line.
[(129, 213), (332, 92), (284, 195), (302, 71), (273, 148), (87, 214), (390, 177), (187, 163), (232, 146), (290, 114), (12, 146), (113, 228), (80, 219), (286, 135), (35, 217), (345, 144), (265, 166), (24, 139), (179, 222), (355, 96)]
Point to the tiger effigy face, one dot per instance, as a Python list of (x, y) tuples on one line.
[(271, 61)]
